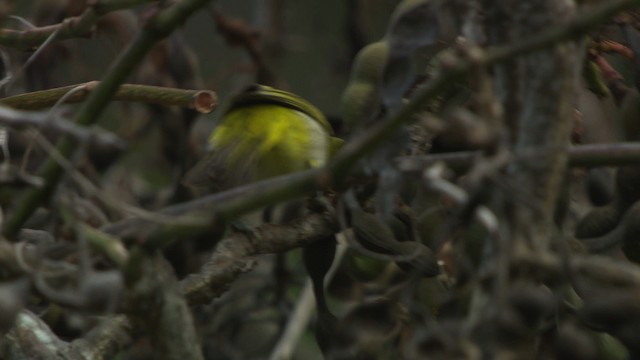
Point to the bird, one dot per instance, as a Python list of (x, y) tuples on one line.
[(263, 133)]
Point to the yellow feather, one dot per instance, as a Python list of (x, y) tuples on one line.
[(265, 133)]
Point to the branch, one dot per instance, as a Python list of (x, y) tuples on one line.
[(301, 315), (456, 66), (105, 340), (171, 327), (73, 27), (18, 120), (593, 155), (232, 256), (218, 208), (237, 33), (203, 101), (599, 269), (243, 199), (156, 29), (31, 338)]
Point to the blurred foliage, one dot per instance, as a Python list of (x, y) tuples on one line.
[(413, 264)]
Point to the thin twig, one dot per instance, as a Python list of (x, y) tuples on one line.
[(73, 27), (93, 190), (20, 120)]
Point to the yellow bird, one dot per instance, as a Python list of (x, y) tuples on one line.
[(265, 132)]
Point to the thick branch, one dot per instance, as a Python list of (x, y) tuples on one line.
[(162, 311), (105, 340), (31, 338), (233, 255), (203, 101), (544, 125)]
